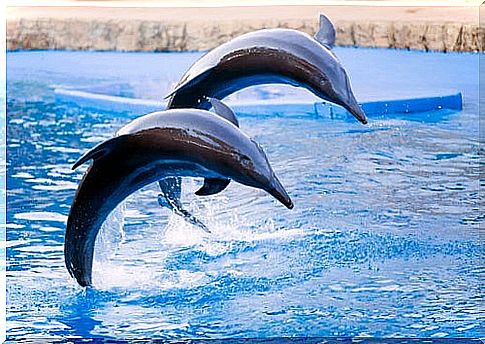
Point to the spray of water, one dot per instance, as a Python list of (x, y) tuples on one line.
[(109, 240), (111, 235), (140, 262)]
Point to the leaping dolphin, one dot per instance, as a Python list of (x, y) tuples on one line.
[(179, 142), (269, 56)]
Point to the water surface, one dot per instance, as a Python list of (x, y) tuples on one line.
[(384, 238)]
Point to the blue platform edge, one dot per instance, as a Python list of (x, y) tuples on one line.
[(265, 108)]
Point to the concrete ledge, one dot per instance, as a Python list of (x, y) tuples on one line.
[(182, 29)]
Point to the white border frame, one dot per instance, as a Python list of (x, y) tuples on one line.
[(3, 171)]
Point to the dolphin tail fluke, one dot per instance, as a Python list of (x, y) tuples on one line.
[(170, 198), (100, 150), (177, 208), (326, 33), (171, 188)]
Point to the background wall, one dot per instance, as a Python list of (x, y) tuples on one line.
[(150, 26)]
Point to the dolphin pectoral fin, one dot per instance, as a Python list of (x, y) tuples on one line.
[(176, 207), (326, 33), (224, 111), (212, 186), (100, 150)]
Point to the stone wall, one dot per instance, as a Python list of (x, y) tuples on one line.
[(199, 34), (415, 36)]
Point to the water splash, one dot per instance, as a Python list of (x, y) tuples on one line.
[(108, 241)]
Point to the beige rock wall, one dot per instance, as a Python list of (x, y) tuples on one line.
[(415, 36), (199, 34)]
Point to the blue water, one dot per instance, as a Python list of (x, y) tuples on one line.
[(384, 239)]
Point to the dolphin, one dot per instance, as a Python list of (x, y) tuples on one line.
[(178, 142), (269, 56)]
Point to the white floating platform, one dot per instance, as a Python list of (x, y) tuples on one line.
[(269, 107)]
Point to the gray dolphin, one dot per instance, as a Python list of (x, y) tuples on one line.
[(269, 56), (179, 142)]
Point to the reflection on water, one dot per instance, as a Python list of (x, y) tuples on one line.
[(384, 239)]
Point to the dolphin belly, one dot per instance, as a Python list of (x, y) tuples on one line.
[(229, 78)]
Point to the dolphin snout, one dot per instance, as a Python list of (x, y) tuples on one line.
[(278, 191), (354, 108)]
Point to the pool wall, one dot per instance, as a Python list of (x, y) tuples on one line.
[(196, 29)]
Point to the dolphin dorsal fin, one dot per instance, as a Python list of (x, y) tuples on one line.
[(223, 110), (100, 150), (326, 33)]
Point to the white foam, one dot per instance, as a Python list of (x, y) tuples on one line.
[(40, 248), (23, 175), (41, 216), (141, 261)]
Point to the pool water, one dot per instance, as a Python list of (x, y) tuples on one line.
[(384, 239)]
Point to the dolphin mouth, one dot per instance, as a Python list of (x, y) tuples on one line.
[(278, 191)]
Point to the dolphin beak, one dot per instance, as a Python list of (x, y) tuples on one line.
[(354, 108), (278, 191)]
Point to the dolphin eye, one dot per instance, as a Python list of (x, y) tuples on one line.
[(245, 160)]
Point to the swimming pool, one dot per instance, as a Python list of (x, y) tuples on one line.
[(384, 239)]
